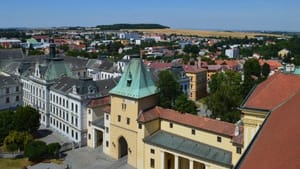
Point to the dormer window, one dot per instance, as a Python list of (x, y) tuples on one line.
[(91, 89), (129, 80), (74, 89)]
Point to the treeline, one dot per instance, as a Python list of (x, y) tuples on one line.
[(131, 26)]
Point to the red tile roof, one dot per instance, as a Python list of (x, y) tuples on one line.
[(99, 102), (202, 123), (277, 145), (193, 69), (274, 91), (274, 64)]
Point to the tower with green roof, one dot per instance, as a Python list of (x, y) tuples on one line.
[(134, 93)]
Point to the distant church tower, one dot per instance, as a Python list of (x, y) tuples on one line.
[(134, 93)]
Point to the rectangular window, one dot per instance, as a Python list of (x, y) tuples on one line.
[(106, 129), (17, 88), (7, 90), (193, 131), (239, 150), (89, 111), (152, 151), (76, 135), (219, 139), (90, 123), (17, 98), (7, 100), (140, 126), (128, 120), (119, 118), (107, 144), (152, 163), (123, 106), (107, 117), (171, 125), (89, 136)]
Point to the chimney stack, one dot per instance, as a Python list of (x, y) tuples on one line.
[(52, 48)]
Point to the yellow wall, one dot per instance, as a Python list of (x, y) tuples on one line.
[(252, 121), (129, 131), (198, 84), (203, 137), (184, 160)]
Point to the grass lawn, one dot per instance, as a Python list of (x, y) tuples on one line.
[(14, 163)]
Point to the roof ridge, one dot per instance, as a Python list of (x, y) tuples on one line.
[(287, 100)]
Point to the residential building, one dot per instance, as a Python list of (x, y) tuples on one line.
[(283, 53), (100, 69), (181, 77), (38, 80), (232, 52), (10, 92), (198, 81), (154, 137), (69, 99)]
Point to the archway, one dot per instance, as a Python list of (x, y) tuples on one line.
[(123, 147)]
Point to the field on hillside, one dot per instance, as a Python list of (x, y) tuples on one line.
[(204, 33)]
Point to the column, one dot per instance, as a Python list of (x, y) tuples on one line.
[(176, 159), (191, 164), (162, 160)]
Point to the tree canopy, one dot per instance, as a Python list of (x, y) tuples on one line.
[(182, 104), (168, 87), (26, 119), (225, 96)]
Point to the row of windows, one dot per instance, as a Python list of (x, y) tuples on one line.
[(7, 90), (193, 132), (127, 119), (64, 115), (63, 127), (38, 92), (63, 102)]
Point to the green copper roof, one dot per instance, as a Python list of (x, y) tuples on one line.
[(31, 41), (189, 147), (135, 82), (56, 69)]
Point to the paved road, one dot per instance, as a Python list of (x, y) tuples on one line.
[(87, 158)]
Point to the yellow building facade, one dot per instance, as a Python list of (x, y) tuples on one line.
[(154, 137), (198, 82)]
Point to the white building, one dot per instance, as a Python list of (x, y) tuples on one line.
[(68, 105), (10, 92), (232, 52)]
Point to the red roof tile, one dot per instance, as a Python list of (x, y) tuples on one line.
[(193, 69), (277, 145), (273, 91), (203, 123), (99, 102), (274, 64)]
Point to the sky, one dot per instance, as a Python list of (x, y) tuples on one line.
[(275, 15)]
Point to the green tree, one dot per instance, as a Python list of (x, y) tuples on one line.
[(225, 96), (265, 70), (252, 72), (53, 149), (182, 104), (26, 119), (168, 87), (36, 151), (193, 49), (6, 118), (18, 138)]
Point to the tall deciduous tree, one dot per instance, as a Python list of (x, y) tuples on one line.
[(6, 118), (169, 89), (26, 119), (36, 150), (252, 72), (225, 96), (182, 104), (265, 70)]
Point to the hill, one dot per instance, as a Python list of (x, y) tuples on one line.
[(131, 26)]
